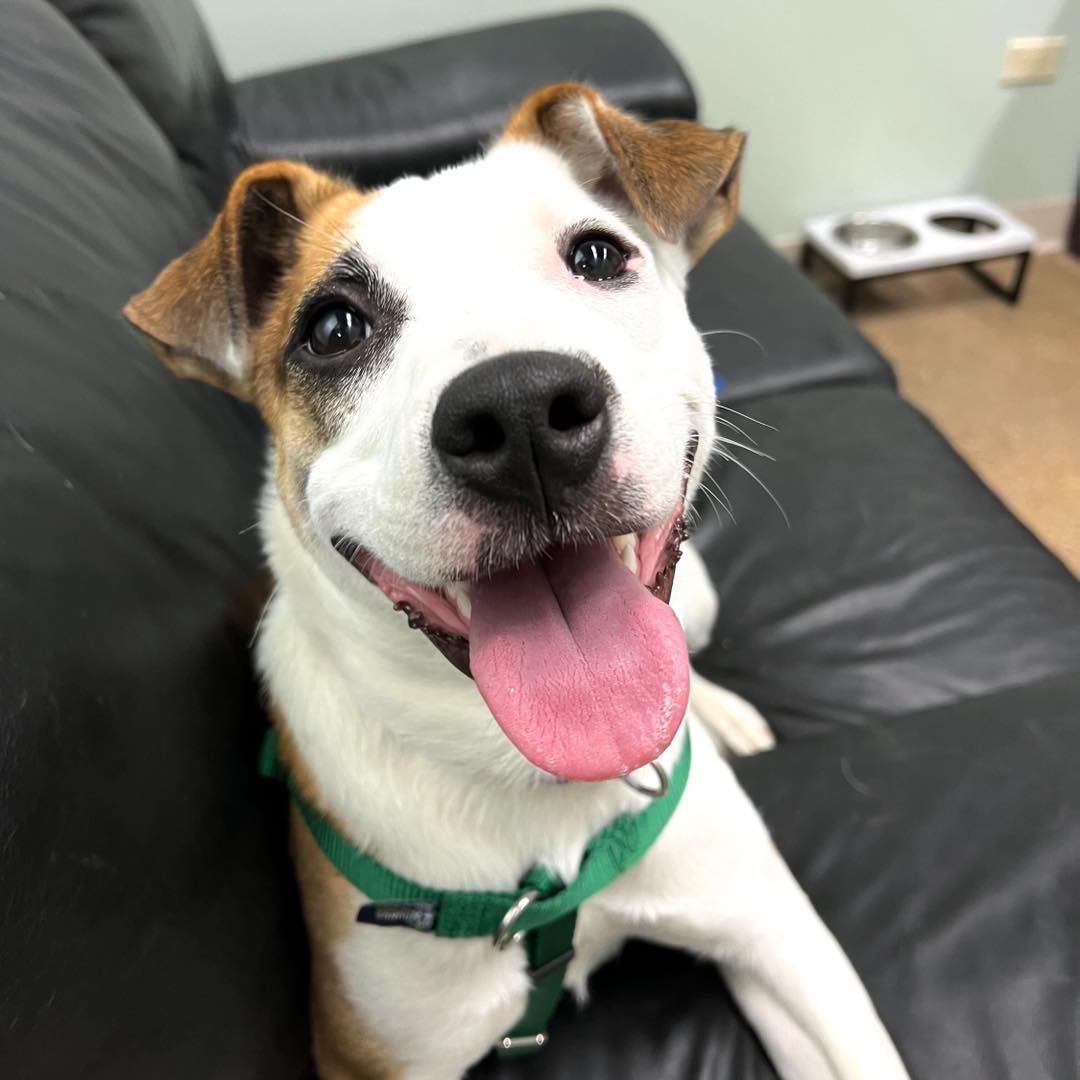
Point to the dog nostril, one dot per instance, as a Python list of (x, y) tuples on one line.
[(569, 411), (486, 433)]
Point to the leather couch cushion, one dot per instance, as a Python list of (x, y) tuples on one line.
[(423, 106), (900, 583), (85, 172), (161, 50), (964, 936), (798, 336)]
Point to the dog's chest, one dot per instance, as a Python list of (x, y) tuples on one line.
[(396, 992), (412, 993)]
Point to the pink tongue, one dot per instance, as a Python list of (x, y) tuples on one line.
[(584, 669)]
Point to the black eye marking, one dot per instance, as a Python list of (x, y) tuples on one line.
[(349, 321), (336, 329)]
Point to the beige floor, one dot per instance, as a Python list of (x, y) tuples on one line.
[(1002, 383)]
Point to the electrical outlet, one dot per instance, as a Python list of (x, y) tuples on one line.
[(1031, 60)]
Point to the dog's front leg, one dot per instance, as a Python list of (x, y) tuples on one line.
[(735, 724), (725, 891), (799, 991)]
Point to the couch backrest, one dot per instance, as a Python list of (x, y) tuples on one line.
[(161, 50)]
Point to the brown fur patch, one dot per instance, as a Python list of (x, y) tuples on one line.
[(221, 312), (299, 436), (680, 177), (203, 306), (345, 1048)]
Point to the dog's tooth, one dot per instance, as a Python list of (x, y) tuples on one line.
[(464, 601), (461, 596), (625, 547)]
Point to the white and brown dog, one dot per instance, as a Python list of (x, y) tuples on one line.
[(489, 408)]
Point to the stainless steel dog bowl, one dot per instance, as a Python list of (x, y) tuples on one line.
[(869, 235), (965, 223)]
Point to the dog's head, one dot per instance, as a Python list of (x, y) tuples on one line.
[(485, 394)]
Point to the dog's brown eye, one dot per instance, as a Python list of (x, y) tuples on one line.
[(596, 258), (336, 330)]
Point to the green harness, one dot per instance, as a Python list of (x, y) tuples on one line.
[(541, 914)]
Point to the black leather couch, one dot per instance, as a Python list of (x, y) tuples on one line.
[(916, 649)]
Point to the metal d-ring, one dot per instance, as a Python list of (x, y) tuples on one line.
[(506, 935), (662, 784)]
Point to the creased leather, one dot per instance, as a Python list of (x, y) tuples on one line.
[(768, 328), (161, 51), (148, 920), (422, 106)]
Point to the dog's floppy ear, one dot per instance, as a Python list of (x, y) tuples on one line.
[(202, 309), (682, 179)]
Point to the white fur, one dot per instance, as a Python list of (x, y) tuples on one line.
[(364, 695), (735, 724), (404, 751), (474, 251)]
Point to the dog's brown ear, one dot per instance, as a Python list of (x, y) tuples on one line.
[(202, 309), (682, 179)]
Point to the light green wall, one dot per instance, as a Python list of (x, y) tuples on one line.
[(848, 102)]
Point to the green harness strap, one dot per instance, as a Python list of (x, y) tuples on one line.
[(541, 913)]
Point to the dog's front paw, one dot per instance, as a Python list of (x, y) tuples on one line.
[(735, 724)]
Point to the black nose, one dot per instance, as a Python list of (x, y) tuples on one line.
[(524, 427)]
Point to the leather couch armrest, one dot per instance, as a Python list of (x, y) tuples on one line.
[(422, 106)]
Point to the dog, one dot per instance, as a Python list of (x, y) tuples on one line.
[(489, 411)]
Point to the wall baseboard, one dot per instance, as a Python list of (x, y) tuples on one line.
[(1049, 218)]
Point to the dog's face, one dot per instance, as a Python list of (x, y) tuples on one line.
[(486, 396)]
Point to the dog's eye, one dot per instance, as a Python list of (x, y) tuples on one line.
[(336, 330), (596, 258)]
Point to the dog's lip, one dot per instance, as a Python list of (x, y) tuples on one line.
[(443, 612), (645, 554), (444, 622)]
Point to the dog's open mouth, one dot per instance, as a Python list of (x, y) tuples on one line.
[(577, 653)]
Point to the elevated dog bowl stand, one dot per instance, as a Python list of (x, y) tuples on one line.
[(963, 230)]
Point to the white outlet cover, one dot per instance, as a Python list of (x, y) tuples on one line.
[(1032, 60)]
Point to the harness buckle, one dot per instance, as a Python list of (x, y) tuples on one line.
[(514, 1045), (506, 935)]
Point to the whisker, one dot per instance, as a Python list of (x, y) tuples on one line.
[(741, 446), (746, 416), (757, 480), (717, 499), (262, 614), (734, 427), (718, 496), (708, 478), (332, 239), (739, 333)]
